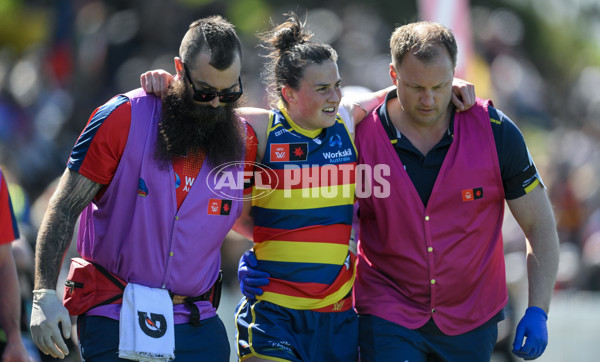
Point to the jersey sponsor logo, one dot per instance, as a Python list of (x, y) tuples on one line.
[(154, 326), (142, 190), (336, 139), (280, 132), (339, 156), (472, 194), (219, 207), (189, 181), (286, 152)]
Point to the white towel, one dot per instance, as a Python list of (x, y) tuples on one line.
[(146, 328)]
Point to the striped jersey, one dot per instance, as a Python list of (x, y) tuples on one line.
[(302, 206)]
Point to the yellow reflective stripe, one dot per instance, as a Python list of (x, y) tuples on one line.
[(532, 186), (308, 198), (301, 252), (307, 303)]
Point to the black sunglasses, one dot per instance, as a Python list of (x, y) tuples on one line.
[(207, 96)]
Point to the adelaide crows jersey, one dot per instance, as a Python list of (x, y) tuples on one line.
[(302, 208)]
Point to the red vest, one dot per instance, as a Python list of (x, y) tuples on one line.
[(445, 260)]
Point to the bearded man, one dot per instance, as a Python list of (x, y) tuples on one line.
[(139, 177)]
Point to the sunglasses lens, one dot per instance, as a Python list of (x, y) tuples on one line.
[(200, 96), (204, 96), (230, 97)]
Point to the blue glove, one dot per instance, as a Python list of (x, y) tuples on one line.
[(250, 278), (533, 326)]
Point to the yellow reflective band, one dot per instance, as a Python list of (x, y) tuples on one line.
[(532, 186)]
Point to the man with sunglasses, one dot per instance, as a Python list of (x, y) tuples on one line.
[(139, 177)]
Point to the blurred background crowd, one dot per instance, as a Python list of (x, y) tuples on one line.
[(539, 60)]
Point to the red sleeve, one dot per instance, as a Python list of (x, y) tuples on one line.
[(99, 148), (8, 223), (251, 150)]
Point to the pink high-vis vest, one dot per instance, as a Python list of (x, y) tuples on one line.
[(444, 261), (136, 231)]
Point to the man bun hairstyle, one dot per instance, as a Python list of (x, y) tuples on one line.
[(290, 49)]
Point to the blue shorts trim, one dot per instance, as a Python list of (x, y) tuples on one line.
[(99, 340), (269, 331), (382, 340)]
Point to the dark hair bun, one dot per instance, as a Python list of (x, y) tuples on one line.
[(289, 34)]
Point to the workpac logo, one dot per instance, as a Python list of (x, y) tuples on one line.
[(226, 180)]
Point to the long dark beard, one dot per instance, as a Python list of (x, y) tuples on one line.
[(187, 127)]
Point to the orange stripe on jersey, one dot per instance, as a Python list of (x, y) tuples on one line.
[(317, 233)]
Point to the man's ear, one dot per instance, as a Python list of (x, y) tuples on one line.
[(179, 67), (393, 74)]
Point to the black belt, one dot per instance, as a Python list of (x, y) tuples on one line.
[(213, 295)]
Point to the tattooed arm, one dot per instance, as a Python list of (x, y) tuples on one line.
[(73, 194), (48, 315)]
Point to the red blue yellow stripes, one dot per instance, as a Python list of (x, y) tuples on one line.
[(302, 227)]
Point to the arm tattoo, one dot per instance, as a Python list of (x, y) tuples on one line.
[(73, 193)]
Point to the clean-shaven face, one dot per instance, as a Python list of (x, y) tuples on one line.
[(425, 89), (318, 96)]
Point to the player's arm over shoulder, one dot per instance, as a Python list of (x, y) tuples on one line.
[(258, 118)]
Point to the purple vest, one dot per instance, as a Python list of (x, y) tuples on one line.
[(135, 230), (444, 261)]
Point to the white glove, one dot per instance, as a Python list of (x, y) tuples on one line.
[(47, 311)]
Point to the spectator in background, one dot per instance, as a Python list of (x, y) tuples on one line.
[(11, 346)]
